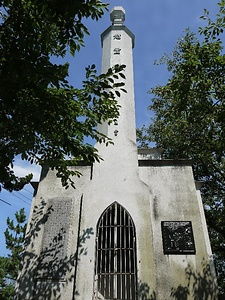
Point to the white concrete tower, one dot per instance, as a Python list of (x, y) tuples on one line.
[(117, 44), (134, 227)]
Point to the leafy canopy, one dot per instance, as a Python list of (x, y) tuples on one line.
[(44, 119), (189, 119)]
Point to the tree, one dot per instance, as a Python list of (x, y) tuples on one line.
[(9, 266), (43, 119), (189, 120)]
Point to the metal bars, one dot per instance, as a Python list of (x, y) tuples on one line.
[(115, 255)]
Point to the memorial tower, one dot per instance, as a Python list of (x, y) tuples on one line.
[(134, 227)]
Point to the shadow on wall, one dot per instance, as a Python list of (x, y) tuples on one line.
[(198, 287), (44, 276), (144, 291)]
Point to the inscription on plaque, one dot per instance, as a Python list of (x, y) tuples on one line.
[(52, 260), (178, 237)]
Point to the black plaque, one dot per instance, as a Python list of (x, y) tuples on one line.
[(178, 237)]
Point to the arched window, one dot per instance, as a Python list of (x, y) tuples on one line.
[(115, 267)]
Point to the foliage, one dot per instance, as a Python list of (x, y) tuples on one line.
[(189, 119), (44, 120), (9, 266)]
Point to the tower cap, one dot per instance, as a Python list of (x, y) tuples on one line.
[(117, 15)]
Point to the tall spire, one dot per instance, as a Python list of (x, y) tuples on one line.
[(117, 43)]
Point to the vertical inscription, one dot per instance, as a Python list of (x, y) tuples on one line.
[(116, 51), (55, 239), (117, 36)]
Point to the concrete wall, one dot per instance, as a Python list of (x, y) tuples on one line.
[(162, 193), (174, 198), (52, 238)]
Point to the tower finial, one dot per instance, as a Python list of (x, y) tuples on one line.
[(117, 15)]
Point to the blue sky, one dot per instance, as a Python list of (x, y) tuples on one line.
[(157, 25)]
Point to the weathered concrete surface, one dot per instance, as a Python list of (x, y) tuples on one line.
[(174, 198)]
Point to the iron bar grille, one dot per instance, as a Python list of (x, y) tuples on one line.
[(115, 274)]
